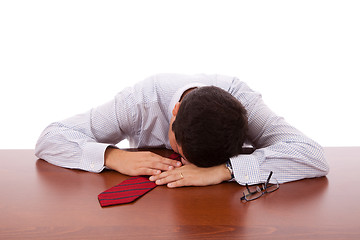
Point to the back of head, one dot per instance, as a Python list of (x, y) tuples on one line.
[(210, 126)]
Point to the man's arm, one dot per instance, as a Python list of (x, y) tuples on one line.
[(280, 147), (87, 141)]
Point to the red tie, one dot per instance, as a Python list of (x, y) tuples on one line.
[(128, 190)]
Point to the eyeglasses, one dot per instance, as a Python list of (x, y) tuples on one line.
[(255, 192)]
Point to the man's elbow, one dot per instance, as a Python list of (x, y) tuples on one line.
[(42, 143), (39, 148), (320, 161)]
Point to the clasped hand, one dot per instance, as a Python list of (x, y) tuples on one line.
[(164, 171), (191, 175)]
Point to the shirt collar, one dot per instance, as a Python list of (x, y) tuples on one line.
[(179, 93)]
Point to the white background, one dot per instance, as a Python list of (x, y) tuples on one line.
[(60, 58)]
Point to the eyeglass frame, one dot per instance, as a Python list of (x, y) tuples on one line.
[(263, 189)]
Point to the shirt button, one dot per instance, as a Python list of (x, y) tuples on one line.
[(92, 165), (246, 177)]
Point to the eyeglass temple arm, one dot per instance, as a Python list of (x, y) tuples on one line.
[(268, 179), (247, 187)]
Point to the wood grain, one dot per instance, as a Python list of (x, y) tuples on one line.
[(43, 201)]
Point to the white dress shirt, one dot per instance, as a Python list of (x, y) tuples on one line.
[(142, 115)]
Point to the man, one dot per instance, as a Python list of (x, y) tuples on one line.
[(205, 118)]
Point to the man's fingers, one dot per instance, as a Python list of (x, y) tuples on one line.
[(160, 166), (179, 183), (171, 162), (161, 163), (151, 172), (167, 177)]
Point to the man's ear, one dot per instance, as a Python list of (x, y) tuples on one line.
[(176, 109)]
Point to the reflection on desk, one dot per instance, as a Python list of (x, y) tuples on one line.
[(43, 201)]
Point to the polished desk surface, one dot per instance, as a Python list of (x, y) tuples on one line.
[(42, 201)]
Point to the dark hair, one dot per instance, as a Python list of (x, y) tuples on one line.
[(210, 126)]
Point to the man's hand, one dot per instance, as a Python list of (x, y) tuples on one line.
[(191, 175), (138, 163)]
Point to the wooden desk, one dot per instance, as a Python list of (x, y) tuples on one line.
[(42, 201)]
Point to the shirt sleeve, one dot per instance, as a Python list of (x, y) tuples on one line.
[(80, 142), (280, 147)]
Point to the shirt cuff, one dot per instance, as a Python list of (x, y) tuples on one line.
[(246, 169), (92, 159)]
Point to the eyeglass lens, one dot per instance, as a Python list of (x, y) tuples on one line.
[(254, 192)]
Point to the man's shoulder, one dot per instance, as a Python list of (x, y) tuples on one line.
[(170, 83), (175, 79)]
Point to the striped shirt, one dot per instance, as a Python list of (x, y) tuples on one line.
[(142, 115)]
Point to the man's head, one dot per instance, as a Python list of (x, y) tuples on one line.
[(208, 126)]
